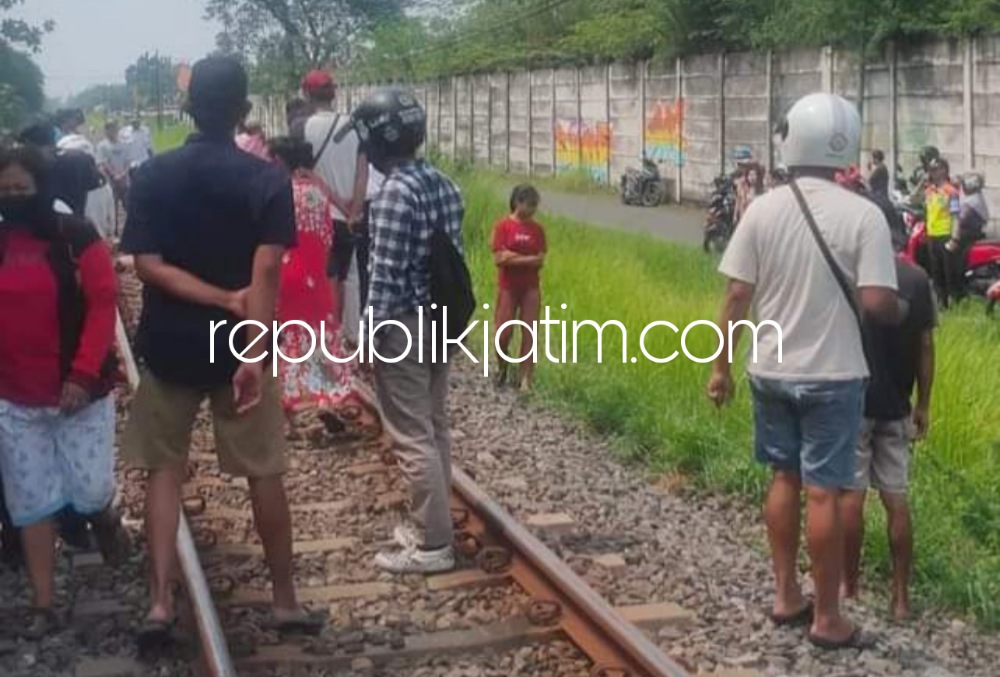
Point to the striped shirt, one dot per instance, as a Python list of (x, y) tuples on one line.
[(415, 200)]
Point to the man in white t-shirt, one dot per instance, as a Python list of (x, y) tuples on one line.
[(808, 379), (113, 161), (138, 141), (343, 167)]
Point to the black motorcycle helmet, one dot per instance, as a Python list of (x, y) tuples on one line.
[(928, 154), (391, 124)]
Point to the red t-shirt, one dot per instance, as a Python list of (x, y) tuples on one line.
[(526, 238)]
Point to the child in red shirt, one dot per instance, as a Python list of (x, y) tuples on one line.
[(519, 249)]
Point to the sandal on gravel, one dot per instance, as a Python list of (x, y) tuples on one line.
[(803, 616), (155, 635), (40, 623), (303, 623), (856, 640)]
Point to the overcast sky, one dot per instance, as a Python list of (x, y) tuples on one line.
[(95, 40)]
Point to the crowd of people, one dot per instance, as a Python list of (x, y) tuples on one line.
[(821, 255), (341, 225), (229, 227), (954, 209)]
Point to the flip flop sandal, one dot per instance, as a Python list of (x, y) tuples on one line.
[(305, 623), (155, 635), (39, 624), (802, 617), (856, 640)]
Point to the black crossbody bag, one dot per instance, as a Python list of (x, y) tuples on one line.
[(838, 273)]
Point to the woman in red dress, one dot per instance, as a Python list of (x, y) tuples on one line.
[(306, 296), (519, 251)]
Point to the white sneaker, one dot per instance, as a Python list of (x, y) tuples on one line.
[(407, 537), (416, 561)]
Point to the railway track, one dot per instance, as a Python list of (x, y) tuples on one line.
[(511, 606)]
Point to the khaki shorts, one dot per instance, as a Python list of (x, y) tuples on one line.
[(883, 458), (158, 433)]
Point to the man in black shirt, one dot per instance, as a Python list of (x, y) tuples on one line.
[(208, 225), (901, 356), (878, 178)]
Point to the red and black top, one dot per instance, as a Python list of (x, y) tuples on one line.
[(59, 301)]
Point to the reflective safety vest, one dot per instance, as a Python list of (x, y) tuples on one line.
[(942, 204)]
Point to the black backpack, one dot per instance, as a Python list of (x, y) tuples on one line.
[(450, 285)]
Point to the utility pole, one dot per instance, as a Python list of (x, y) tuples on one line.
[(159, 95)]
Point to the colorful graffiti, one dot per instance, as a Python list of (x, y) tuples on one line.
[(665, 132), (581, 145)]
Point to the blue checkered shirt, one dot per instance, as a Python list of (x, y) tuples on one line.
[(415, 200)]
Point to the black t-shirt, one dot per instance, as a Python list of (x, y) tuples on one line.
[(74, 174), (896, 350), (879, 180), (205, 208)]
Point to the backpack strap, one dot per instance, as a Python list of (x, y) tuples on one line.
[(326, 141)]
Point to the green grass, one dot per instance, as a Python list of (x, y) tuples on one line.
[(170, 136), (567, 181), (662, 419)]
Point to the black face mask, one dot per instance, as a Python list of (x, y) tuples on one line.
[(25, 210)]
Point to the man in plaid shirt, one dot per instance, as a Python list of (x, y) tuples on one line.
[(415, 201)]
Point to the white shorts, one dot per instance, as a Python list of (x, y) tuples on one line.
[(49, 461)]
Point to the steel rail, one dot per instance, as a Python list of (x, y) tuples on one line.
[(590, 622), (603, 634), (213, 641)]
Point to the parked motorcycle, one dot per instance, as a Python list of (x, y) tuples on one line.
[(643, 187), (719, 220), (982, 262)]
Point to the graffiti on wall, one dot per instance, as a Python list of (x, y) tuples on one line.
[(665, 132), (581, 145)]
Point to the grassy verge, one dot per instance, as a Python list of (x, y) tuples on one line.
[(572, 181), (662, 419)]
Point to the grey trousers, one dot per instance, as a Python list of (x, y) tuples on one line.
[(414, 402)]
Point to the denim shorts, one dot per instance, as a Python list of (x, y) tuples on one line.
[(809, 427)]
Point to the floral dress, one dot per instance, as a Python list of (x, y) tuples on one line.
[(306, 296)]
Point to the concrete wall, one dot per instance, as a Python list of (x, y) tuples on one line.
[(691, 115)]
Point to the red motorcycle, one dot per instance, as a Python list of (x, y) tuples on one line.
[(982, 262)]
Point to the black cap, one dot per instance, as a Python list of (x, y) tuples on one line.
[(219, 87)]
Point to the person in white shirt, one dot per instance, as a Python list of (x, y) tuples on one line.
[(100, 207), (343, 167), (138, 141), (113, 161), (808, 375)]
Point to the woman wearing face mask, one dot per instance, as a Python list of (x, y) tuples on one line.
[(57, 331)]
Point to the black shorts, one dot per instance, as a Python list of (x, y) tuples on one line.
[(343, 248)]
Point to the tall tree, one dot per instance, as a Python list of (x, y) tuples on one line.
[(292, 35), (115, 98), (152, 80), (21, 82)]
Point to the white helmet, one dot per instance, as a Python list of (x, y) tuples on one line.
[(821, 130)]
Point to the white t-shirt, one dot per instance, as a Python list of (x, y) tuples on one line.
[(339, 163), (375, 181), (113, 154), (774, 249), (138, 143), (77, 142)]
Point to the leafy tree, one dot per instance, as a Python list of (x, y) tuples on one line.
[(284, 37), (152, 80), (19, 32), (488, 34), (115, 98), (21, 83)]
